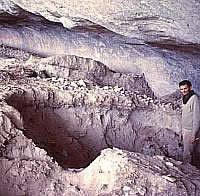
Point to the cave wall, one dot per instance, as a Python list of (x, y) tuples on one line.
[(73, 130), (35, 111), (159, 40)]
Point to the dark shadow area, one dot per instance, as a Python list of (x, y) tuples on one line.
[(175, 46), (50, 129)]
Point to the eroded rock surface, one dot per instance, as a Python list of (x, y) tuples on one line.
[(159, 40), (149, 20), (88, 100), (90, 118), (54, 126)]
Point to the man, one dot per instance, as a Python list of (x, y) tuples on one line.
[(190, 118)]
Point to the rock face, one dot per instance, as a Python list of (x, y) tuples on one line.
[(159, 40), (61, 135), (149, 20), (88, 97), (87, 116)]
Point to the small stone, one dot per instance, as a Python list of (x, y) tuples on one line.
[(169, 178), (73, 84), (169, 164), (81, 83), (105, 87)]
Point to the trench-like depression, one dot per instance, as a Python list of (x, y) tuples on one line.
[(74, 136)]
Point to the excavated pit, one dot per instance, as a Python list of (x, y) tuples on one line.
[(75, 135), (55, 130)]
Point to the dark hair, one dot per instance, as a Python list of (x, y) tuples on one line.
[(185, 82)]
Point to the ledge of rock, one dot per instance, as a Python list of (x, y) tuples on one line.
[(158, 40), (148, 20)]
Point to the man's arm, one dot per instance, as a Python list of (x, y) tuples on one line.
[(196, 115)]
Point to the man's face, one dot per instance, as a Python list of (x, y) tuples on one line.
[(185, 89)]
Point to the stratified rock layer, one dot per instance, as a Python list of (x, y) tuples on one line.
[(148, 20), (159, 40)]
